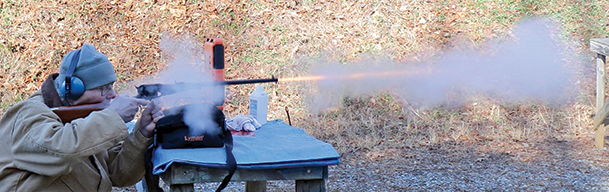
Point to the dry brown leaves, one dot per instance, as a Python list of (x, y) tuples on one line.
[(265, 38), (38, 34)]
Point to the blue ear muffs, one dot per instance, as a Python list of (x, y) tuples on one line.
[(73, 87)]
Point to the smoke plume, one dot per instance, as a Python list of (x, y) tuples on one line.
[(529, 67), (188, 64)]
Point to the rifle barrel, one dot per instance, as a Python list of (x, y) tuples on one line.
[(151, 91), (250, 81)]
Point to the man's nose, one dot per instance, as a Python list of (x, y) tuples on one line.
[(111, 95)]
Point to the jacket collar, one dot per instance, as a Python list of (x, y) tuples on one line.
[(49, 93)]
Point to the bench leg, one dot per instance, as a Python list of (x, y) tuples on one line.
[(315, 185), (599, 139), (182, 188), (255, 186)]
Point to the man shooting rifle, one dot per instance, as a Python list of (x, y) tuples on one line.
[(40, 152)]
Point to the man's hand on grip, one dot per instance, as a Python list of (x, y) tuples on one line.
[(147, 123), (126, 107)]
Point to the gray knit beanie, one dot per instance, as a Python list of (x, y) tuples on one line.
[(93, 68)]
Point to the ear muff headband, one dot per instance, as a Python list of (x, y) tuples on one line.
[(74, 87)]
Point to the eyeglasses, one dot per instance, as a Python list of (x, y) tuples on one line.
[(105, 89)]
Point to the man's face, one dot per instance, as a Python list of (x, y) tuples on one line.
[(104, 93)]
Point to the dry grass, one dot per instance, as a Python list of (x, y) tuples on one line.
[(265, 38)]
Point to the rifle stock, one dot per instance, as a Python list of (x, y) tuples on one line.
[(69, 113), (148, 92)]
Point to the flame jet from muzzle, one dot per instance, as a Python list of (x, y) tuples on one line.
[(533, 66), (381, 74)]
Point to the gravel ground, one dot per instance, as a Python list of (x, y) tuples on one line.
[(549, 165)]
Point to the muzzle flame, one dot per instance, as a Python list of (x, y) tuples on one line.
[(381, 74)]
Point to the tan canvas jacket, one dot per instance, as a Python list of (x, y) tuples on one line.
[(39, 153)]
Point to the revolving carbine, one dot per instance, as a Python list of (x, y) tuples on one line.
[(151, 91)]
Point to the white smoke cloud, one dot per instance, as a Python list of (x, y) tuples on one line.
[(188, 64), (529, 67)]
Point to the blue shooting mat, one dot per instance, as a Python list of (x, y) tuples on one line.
[(275, 145)]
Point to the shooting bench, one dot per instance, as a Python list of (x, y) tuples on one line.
[(601, 47), (181, 177), (276, 151)]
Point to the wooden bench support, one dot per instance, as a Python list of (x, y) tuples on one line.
[(181, 177), (255, 186), (314, 185), (182, 188), (599, 137), (601, 47), (600, 122)]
